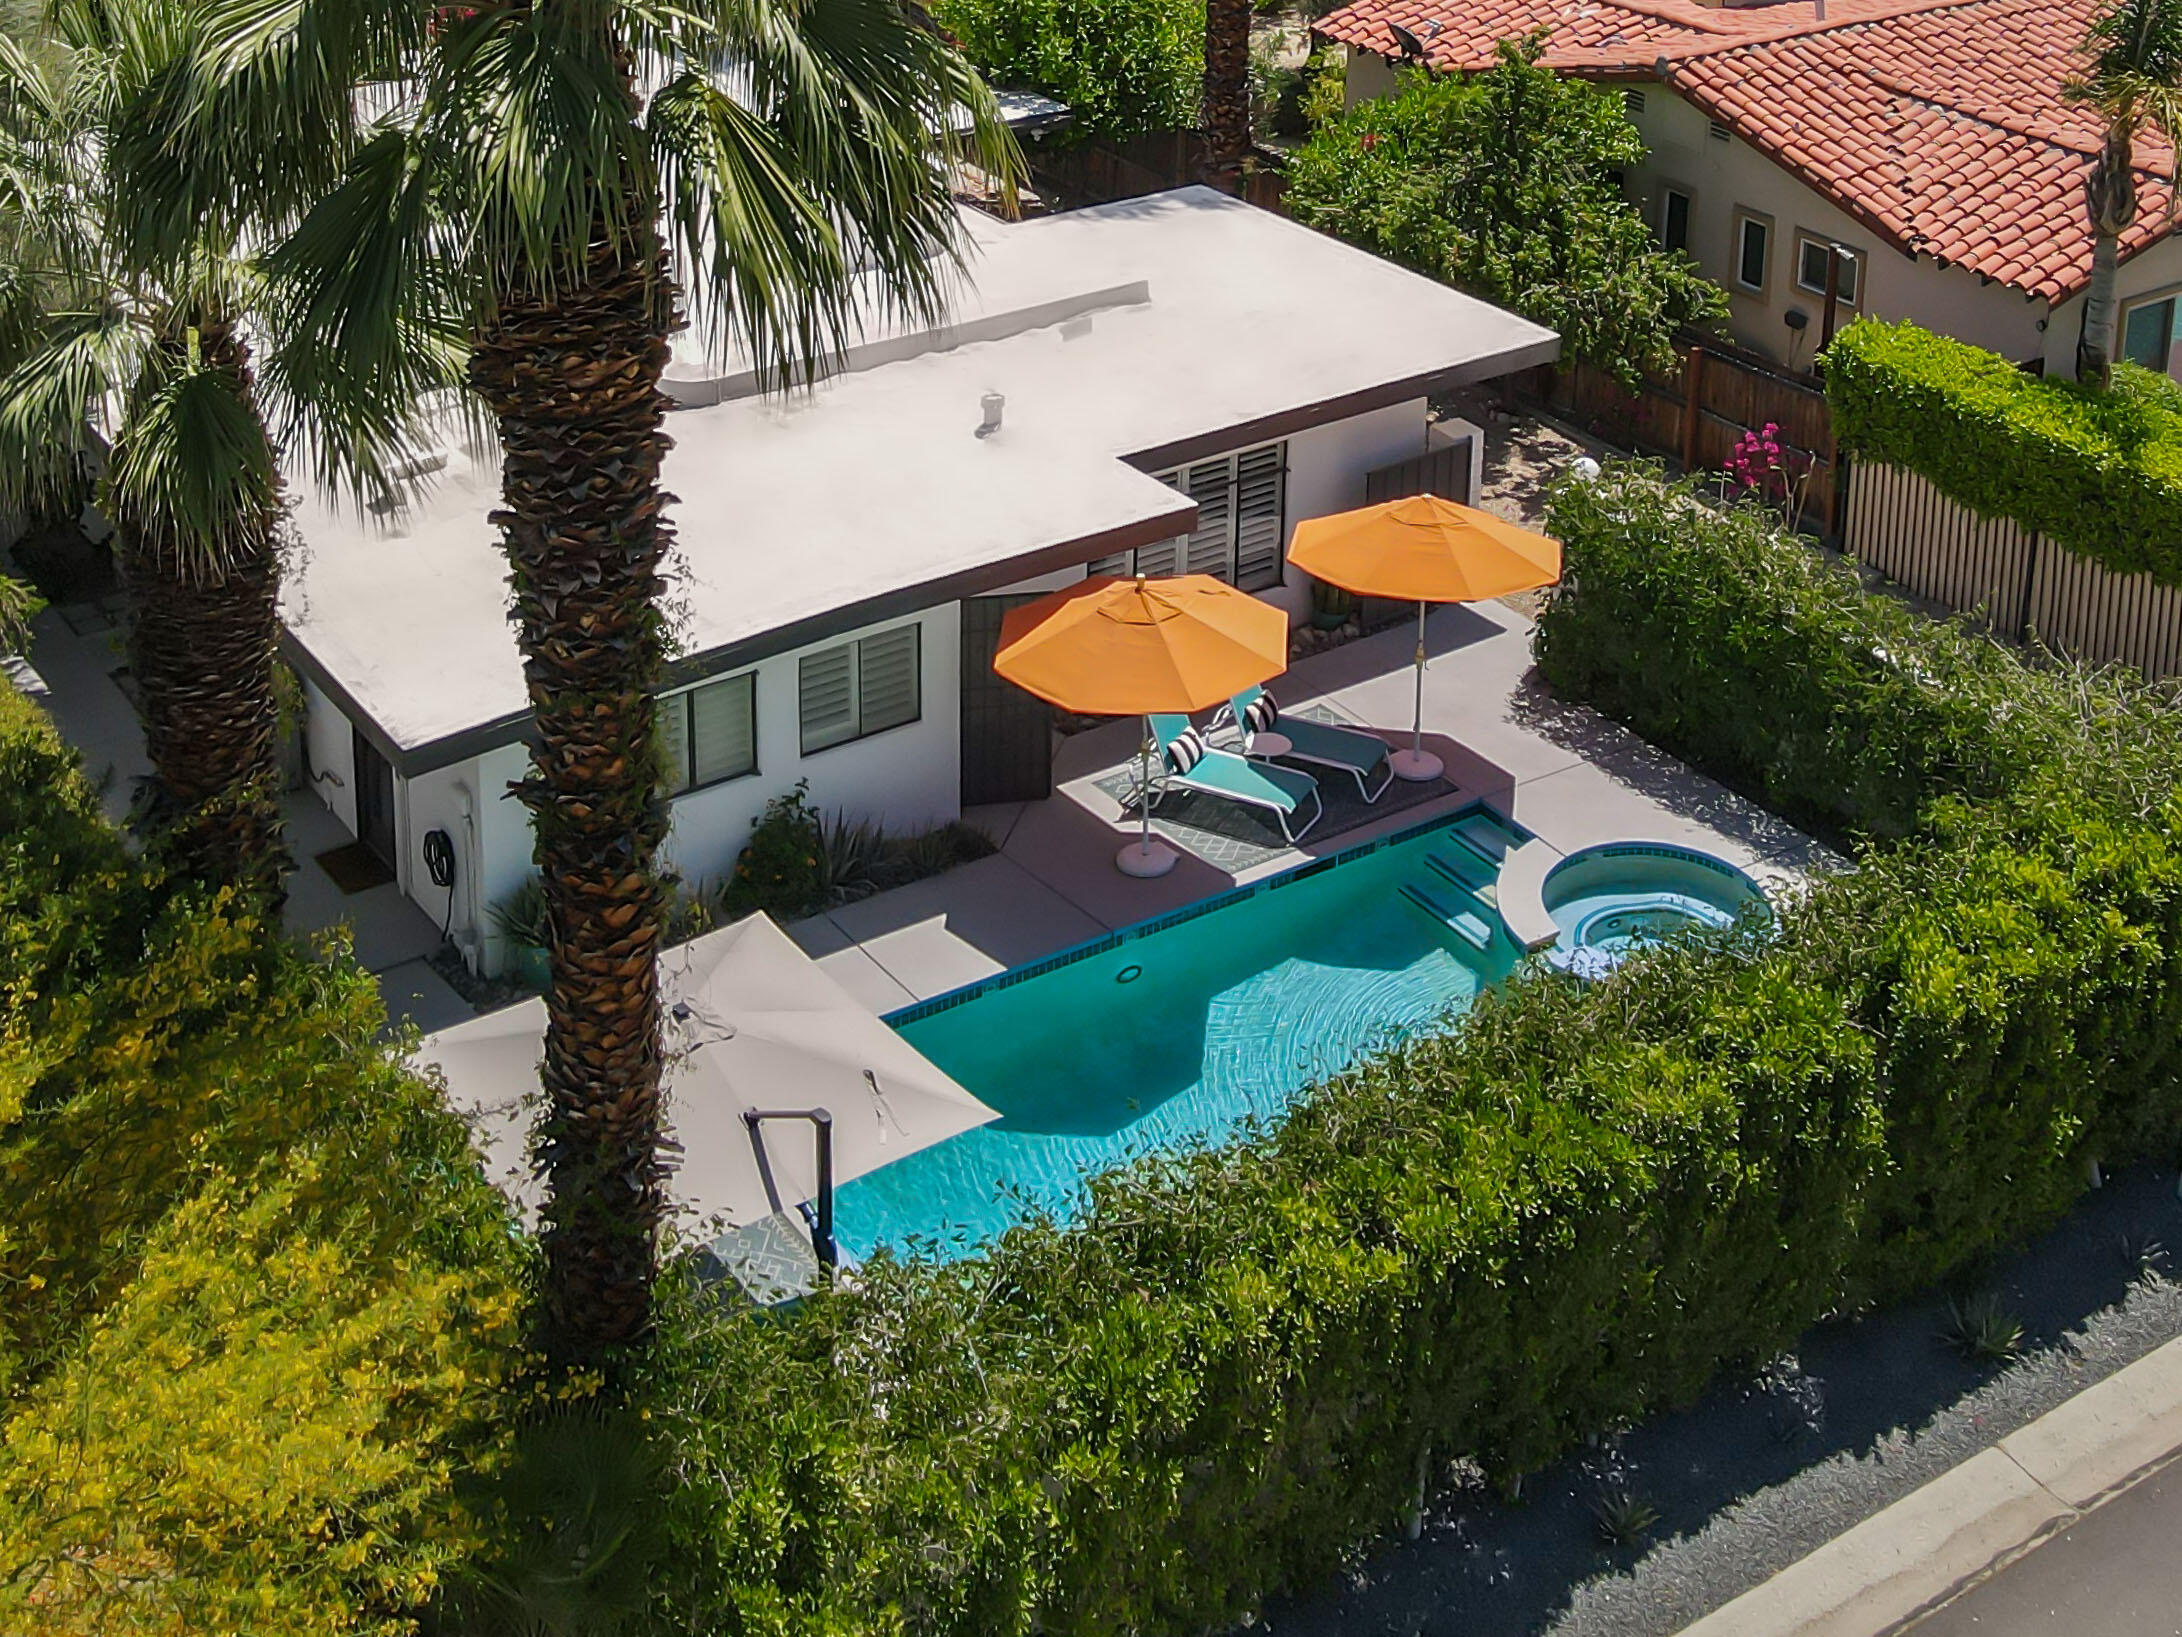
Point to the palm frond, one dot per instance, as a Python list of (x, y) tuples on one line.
[(66, 381), (866, 114), (194, 476)]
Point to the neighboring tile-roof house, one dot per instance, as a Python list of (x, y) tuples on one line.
[(1940, 124)]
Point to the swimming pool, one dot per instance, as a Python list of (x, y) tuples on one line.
[(1176, 1032), (1610, 899)]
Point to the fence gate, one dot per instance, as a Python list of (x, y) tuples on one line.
[(2021, 584), (1444, 471)]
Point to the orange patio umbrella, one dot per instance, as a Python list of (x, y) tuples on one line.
[(1423, 549), (1107, 647)]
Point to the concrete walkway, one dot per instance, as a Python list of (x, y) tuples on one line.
[(1951, 1556), (1563, 772)]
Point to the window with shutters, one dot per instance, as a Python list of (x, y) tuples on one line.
[(855, 689), (1242, 505), (709, 734)]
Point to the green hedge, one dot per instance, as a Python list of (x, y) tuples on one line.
[(1575, 1210), (1772, 668), (255, 1299), (2100, 472)]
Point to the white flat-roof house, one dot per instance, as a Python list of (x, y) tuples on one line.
[(1179, 379)]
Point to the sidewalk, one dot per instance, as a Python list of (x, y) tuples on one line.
[(1981, 1517)]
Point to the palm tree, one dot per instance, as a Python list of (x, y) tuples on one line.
[(796, 155), (126, 290), (1226, 113), (2135, 87)]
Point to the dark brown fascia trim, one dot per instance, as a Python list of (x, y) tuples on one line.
[(1271, 428), (733, 656)]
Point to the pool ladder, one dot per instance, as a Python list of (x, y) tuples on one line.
[(1462, 889)]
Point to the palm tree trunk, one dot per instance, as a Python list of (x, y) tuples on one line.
[(2110, 195), (573, 380), (1227, 92), (204, 636)]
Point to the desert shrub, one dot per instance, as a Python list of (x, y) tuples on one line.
[(256, 1299)]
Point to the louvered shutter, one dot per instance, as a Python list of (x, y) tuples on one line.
[(887, 682), (1117, 566), (826, 697), (674, 741), (1211, 545), (1165, 558), (1261, 524), (723, 729)]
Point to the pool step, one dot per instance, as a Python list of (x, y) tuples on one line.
[(1467, 868), (1487, 835), (1455, 908)]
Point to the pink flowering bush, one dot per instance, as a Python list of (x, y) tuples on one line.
[(1764, 468)]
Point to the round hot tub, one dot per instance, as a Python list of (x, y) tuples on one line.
[(1610, 899)]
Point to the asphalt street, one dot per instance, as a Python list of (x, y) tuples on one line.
[(2115, 1572)]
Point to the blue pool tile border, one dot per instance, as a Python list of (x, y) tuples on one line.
[(952, 998), (1653, 849)]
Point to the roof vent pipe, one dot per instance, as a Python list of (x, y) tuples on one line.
[(990, 405), (1821, 11)]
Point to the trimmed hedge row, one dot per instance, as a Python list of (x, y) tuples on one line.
[(1772, 668), (1576, 1209), (2100, 472), (255, 1299)]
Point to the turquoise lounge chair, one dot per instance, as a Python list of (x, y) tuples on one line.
[(1186, 762), (1363, 756)]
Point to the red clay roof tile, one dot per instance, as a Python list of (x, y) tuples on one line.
[(1941, 124)]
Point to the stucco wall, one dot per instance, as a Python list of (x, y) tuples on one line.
[(1724, 177), (1326, 470), (491, 835), (2151, 274), (907, 778), (332, 749)]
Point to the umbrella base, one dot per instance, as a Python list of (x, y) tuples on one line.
[(1417, 766), (1145, 859)]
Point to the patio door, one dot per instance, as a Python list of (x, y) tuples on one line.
[(1007, 734), (374, 799)]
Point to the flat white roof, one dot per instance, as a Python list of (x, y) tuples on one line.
[(1155, 330)]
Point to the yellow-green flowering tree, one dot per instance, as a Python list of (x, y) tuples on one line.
[(257, 1308)]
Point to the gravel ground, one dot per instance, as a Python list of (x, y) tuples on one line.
[(1762, 1472)]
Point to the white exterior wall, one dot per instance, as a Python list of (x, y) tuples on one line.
[(1722, 177), (907, 778), (491, 835), (332, 749), (1326, 470)]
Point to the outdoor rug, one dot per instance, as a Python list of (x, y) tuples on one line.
[(1233, 837), (354, 868)]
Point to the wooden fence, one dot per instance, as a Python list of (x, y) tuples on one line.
[(2022, 584), (1699, 413), (1097, 172)]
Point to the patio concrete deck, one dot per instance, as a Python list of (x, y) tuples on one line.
[(1563, 772)]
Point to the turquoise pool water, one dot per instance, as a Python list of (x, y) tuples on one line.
[(1611, 899), (1173, 1035)]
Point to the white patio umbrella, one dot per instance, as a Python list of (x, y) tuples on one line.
[(773, 1070)]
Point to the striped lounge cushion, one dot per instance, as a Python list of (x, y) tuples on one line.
[(1260, 714), (1185, 750)]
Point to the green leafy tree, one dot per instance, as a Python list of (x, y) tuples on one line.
[(126, 295), (1505, 183), (2135, 87), (554, 173), (1124, 67)]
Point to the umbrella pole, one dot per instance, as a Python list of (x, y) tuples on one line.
[(1145, 858), (1416, 763)]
